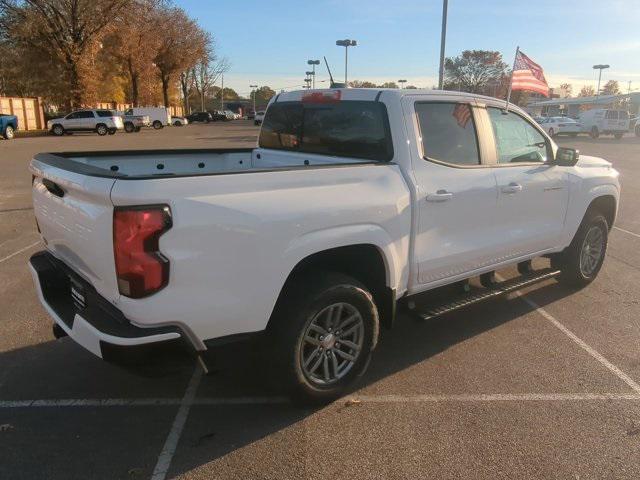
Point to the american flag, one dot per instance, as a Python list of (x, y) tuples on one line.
[(528, 75), (462, 114)]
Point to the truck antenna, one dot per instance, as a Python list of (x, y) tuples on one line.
[(333, 84)]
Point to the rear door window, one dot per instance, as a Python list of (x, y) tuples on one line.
[(105, 113), (355, 129), (448, 133)]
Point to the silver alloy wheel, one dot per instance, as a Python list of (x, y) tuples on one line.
[(9, 132), (332, 343), (592, 251), (58, 130), (102, 130)]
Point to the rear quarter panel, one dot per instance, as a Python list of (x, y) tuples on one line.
[(236, 238)]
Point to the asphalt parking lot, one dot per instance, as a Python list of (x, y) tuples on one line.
[(541, 384)]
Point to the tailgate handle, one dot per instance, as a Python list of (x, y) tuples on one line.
[(53, 188)]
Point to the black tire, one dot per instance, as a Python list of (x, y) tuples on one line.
[(101, 129), (303, 304), (618, 136), (112, 131), (177, 124), (157, 125), (129, 127), (138, 129), (8, 133), (569, 261), (57, 130), (595, 133)]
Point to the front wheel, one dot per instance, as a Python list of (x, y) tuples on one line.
[(129, 127), (9, 133), (157, 125), (582, 260), (323, 336), (57, 130), (102, 130)]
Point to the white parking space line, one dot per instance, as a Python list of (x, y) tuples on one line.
[(239, 401), (627, 231), (606, 363), (4, 259), (171, 443)]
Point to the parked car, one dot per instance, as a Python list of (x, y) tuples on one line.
[(219, 116), (200, 117), (135, 123), (365, 208), (259, 117), (8, 126), (230, 115), (561, 126), (604, 121), (634, 125), (100, 121), (179, 121), (158, 116), (250, 115)]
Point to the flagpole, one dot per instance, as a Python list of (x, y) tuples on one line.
[(515, 59)]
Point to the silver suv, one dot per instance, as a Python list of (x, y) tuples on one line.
[(99, 121)]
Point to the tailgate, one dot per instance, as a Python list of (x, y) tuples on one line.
[(75, 217)]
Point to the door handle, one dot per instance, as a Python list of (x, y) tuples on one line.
[(513, 187), (439, 196)]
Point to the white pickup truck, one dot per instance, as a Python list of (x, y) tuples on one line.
[(355, 201)]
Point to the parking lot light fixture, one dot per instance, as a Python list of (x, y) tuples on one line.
[(600, 67), (346, 43), (402, 82), (313, 64), (253, 93)]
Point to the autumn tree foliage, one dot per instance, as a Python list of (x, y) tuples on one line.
[(476, 71), (75, 52)]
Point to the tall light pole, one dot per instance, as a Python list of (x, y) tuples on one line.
[(253, 91), (312, 76), (402, 82), (599, 67), (222, 94), (346, 43), (313, 63), (443, 40)]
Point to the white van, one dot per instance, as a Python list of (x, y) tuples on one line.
[(159, 116), (605, 121)]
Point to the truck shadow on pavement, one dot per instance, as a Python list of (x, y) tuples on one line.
[(215, 436)]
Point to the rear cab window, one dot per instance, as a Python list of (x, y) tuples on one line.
[(448, 133), (354, 129)]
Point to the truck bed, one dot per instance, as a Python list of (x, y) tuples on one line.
[(146, 164)]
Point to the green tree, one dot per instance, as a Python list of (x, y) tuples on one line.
[(612, 87), (263, 95), (475, 71), (411, 87), (389, 85), (362, 84), (587, 91)]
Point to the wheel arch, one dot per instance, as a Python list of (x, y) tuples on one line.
[(365, 262), (607, 205)]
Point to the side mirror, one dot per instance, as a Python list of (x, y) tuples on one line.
[(566, 157)]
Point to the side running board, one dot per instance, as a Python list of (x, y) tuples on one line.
[(493, 291)]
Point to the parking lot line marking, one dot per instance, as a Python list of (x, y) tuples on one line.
[(4, 259), (606, 363), (627, 231), (496, 397), (171, 443)]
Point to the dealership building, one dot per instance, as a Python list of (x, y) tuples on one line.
[(571, 107)]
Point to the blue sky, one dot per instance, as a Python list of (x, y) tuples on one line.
[(269, 42)]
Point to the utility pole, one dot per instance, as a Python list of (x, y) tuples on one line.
[(443, 40)]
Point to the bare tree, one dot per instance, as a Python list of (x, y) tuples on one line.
[(475, 71), (65, 29), (206, 72)]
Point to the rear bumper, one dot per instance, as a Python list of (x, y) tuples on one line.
[(83, 314)]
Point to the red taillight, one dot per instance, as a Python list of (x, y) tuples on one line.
[(331, 96), (140, 267)]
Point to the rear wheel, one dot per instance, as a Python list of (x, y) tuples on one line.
[(9, 132), (157, 125), (129, 127), (581, 261), (322, 337), (595, 133), (112, 131), (102, 130), (177, 123), (57, 130)]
